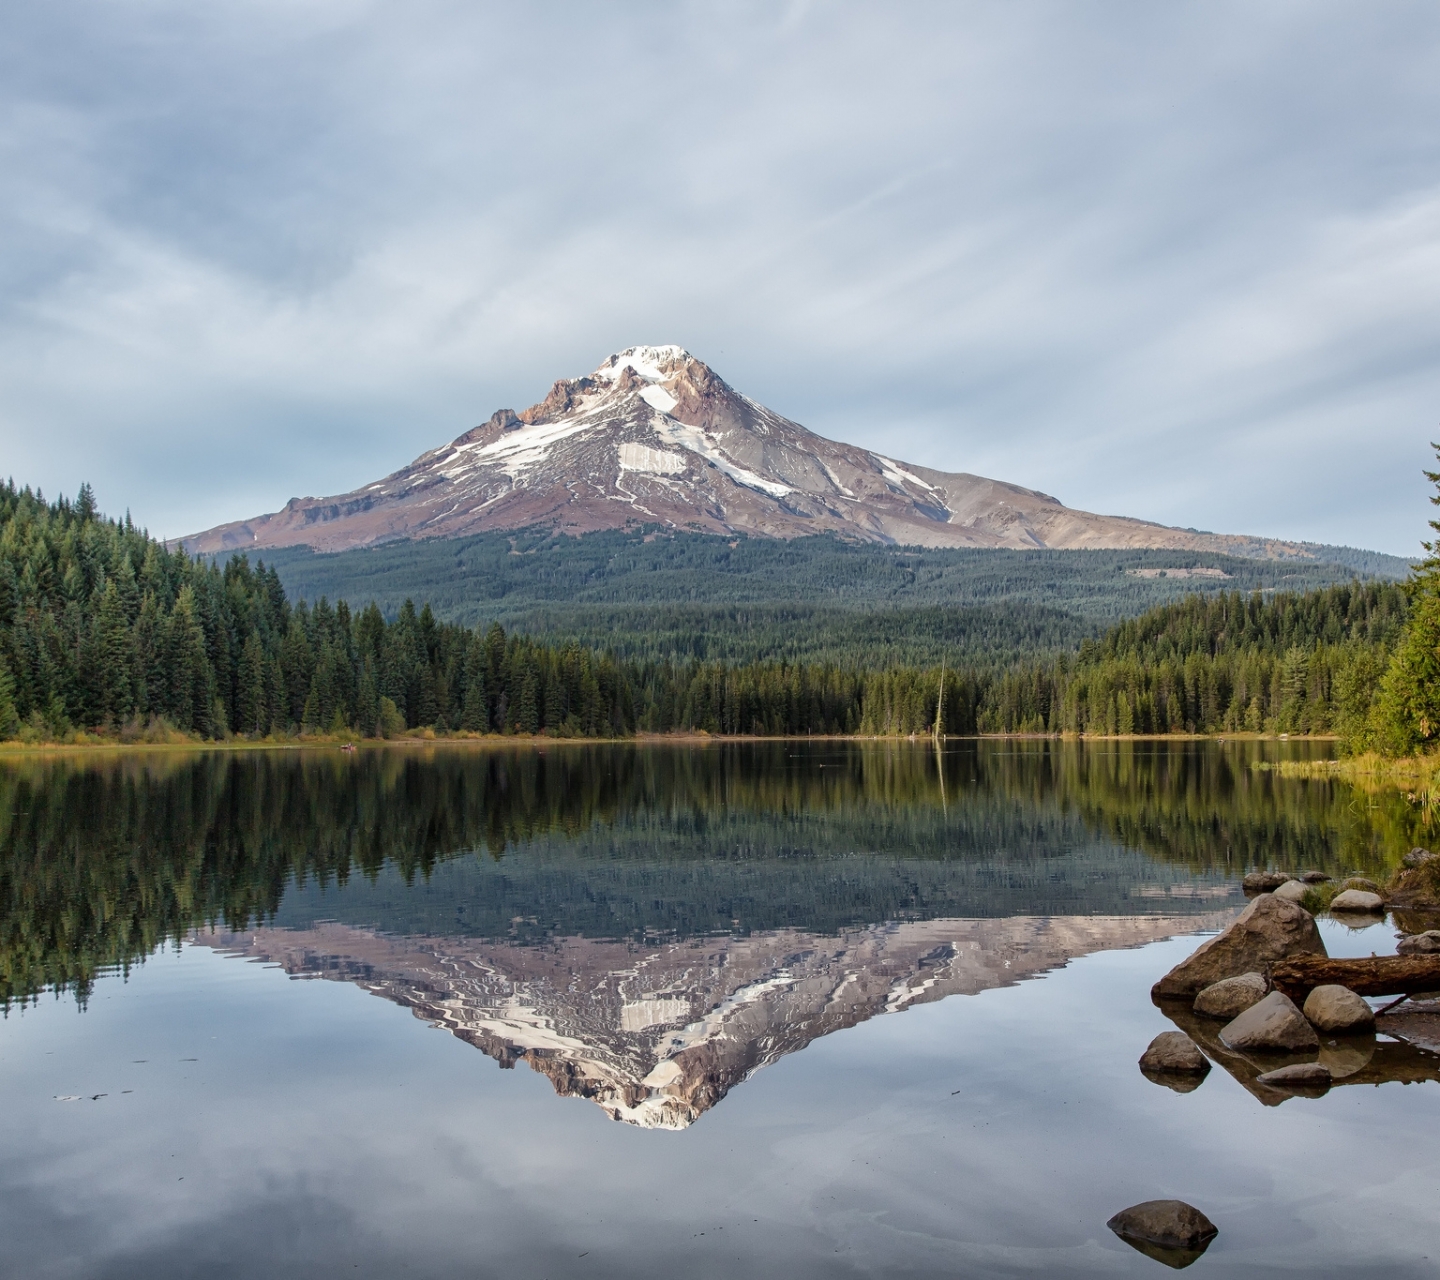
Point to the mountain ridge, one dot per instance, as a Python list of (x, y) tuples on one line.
[(655, 436)]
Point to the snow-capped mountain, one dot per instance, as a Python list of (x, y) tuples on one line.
[(654, 436)]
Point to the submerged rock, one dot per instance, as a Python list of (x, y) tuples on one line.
[(1336, 1008), (1274, 1025), (1263, 881), (1230, 997), (1292, 890), (1170, 1231), (1174, 1051), (1298, 1075), (1357, 900), (1268, 929), (1420, 944), (1314, 877)]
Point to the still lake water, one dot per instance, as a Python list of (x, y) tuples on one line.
[(781, 1009)]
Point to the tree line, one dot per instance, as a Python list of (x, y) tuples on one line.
[(104, 628)]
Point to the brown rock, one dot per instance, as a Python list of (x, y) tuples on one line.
[(1338, 1009), (1305, 1075), (1268, 929), (1274, 1025), (1292, 891), (1357, 900), (1170, 1231), (1314, 877), (1263, 881), (1359, 882), (1231, 997), (1420, 944), (1174, 1051)]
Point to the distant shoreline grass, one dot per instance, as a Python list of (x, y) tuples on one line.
[(177, 741)]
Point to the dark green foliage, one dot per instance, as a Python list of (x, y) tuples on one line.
[(1407, 714), (103, 628), (666, 596)]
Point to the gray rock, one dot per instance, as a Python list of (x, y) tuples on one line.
[(1420, 944), (1170, 1231), (1292, 890), (1274, 1025), (1304, 1075), (1231, 997), (1268, 929), (1174, 1051), (1416, 856), (1357, 900), (1337, 1008), (1314, 877), (1263, 881)]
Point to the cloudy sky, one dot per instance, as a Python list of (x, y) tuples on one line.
[(1178, 261)]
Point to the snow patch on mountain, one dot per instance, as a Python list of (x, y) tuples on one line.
[(659, 462), (698, 441)]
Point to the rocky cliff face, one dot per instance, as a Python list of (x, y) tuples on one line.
[(656, 436), (657, 1033)]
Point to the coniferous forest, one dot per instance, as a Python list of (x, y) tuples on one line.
[(103, 629)]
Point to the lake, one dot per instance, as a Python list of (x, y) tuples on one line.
[(830, 1009)]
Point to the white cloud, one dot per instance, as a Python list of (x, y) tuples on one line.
[(1175, 262)]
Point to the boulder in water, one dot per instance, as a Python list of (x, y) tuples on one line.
[(1420, 944), (1357, 900), (1274, 1025), (1170, 1231), (1230, 997), (1268, 929), (1338, 1009), (1292, 891), (1299, 1075), (1174, 1051), (1263, 881)]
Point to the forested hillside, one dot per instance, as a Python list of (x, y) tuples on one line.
[(103, 629), (663, 595)]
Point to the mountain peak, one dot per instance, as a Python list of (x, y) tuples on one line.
[(655, 436), (651, 364)]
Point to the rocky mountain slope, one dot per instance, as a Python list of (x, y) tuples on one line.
[(654, 436)]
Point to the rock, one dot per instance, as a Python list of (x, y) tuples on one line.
[(1304, 1075), (1232, 996), (1416, 856), (1174, 1051), (1170, 1231), (1420, 944), (1263, 881), (1357, 900), (1292, 890), (1359, 882), (1268, 929), (1336, 1008), (1274, 1025), (1314, 877)]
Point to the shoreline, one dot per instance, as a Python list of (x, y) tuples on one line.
[(321, 742)]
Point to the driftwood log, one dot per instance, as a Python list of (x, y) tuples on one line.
[(1298, 976)]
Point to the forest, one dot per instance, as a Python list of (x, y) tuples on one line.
[(104, 630)]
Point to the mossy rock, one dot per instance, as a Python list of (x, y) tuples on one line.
[(1415, 886)]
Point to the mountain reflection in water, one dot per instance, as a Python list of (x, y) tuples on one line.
[(657, 1033)]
